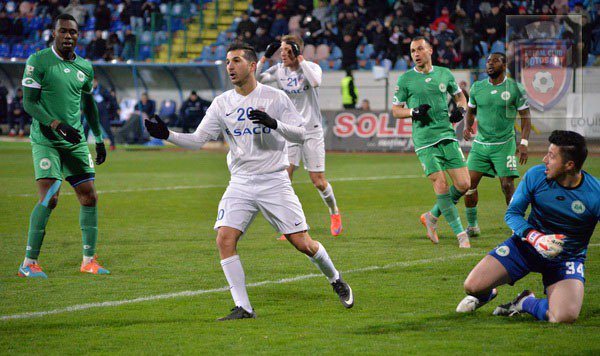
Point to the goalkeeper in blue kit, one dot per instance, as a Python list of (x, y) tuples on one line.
[(552, 241)]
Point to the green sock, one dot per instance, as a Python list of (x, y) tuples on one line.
[(472, 216), (455, 194), (450, 212), (37, 229), (435, 211), (88, 220)]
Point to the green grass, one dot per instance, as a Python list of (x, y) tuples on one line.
[(162, 241)]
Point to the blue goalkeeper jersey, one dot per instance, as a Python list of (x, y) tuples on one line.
[(572, 212)]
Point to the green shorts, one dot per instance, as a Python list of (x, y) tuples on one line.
[(494, 160), (69, 162), (442, 156)]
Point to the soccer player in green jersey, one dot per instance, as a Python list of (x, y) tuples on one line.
[(56, 82), (422, 94), (495, 102)]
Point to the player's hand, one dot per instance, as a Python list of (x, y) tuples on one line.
[(523, 155), (420, 114), (157, 129), (261, 117), (271, 49), (295, 48), (100, 153), (468, 133), (68, 132), (457, 114), (548, 246)]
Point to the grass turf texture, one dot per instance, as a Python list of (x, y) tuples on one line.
[(161, 241)]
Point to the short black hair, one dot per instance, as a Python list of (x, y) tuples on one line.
[(65, 16), (418, 38), (572, 146), (249, 51), (502, 56)]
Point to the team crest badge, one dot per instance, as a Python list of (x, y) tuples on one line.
[(45, 164), (442, 87), (505, 95), (502, 251), (80, 76), (577, 207), (543, 69)]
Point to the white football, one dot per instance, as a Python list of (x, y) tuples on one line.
[(543, 82)]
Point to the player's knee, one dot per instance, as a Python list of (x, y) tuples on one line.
[(507, 187), (462, 186), (320, 184), (470, 286), (53, 202), (564, 315), (89, 199), (224, 242)]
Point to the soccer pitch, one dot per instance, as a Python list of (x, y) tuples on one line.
[(157, 209)]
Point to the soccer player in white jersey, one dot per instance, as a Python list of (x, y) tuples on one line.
[(300, 80), (256, 121)]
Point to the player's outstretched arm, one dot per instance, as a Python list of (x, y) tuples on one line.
[(291, 133), (158, 129), (90, 109)]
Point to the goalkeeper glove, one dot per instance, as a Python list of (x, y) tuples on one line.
[(548, 246), (100, 153), (295, 48), (420, 114), (457, 114)]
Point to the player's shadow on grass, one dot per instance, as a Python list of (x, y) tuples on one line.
[(440, 323)]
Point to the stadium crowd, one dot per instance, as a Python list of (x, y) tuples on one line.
[(338, 34)]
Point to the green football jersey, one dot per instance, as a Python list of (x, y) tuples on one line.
[(61, 83), (415, 88), (497, 107)]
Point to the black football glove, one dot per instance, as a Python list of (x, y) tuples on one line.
[(261, 117), (100, 153), (420, 114), (157, 129), (457, 114), (295, 48), (68, 133), (271, 49)]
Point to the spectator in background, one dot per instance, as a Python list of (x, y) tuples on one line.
[(279, 27), (125, 14), (494, 26), (128, 45), (136, 13), (444, 18), (113, 46), (5, 26), (103, 16), (260, 7), (365, 105), (145, 107), (107, 111), (378, 37), (264, 21), (17, 115), (3, 104), (76, 10), (261, 40), (246, 25), (349, 92), (192, 112), (97, 47), (348, 44)]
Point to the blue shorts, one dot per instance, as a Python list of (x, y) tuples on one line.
[(519, 258)]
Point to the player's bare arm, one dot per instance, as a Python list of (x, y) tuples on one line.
[(525, 115), (468, 132)]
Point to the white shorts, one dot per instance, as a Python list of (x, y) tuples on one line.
[(312, 153), (271, 194)]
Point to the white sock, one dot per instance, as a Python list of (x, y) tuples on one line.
[(87, 259), (234, 272), (329, 199), (321, 259), (29, 261)]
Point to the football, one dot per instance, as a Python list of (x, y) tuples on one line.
[(543, 82)]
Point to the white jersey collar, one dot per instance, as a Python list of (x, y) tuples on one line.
[(61, 58), (492, 84), (431, 71)]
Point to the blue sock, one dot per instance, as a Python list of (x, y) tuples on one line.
[(536, 307)]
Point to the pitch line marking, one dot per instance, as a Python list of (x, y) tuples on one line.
[(79, 307), (208, 186)]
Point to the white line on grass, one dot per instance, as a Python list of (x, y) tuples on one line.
[(192, 293), (208, 186)]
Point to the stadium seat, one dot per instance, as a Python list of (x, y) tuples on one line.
[(90, 24), (81, 51), (206, 54), (19, 50), (220, 53), (401, 64), (4, 50), (336, 53), (168, 111), (145, 52), (309, 52), (294, 25)]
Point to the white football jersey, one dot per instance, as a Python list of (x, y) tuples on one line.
[(304, 95), (253, 148)]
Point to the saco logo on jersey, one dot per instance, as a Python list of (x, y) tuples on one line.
[(544, 71), (256, 130), (45, 164), (577, 207), (80, 76)]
